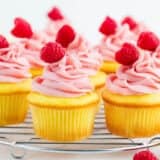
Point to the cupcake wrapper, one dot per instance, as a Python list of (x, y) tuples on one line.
[(99, 92), (132, 122), (63, 124), (13, 108)]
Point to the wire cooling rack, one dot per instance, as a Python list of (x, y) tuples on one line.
[(22, 137)]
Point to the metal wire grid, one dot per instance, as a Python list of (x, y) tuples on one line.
[(22, 137)]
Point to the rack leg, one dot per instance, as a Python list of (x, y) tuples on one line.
[(17, 153)]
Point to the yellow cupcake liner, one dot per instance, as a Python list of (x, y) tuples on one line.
[(60, 124), (36, 72), (13, 108), (132, 122), (109, 67), (99, 93)]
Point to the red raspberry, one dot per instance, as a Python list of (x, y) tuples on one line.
[(108, 27), (22, 28), (65, 35), (148, 41), (145, 155), (130, 21), (3, 42), (52, 52), (55, 14), (127, 55)]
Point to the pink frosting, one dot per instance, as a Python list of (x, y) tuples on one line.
[(62, 79), (32, 48), (143, 77), (13, 66), (110, 44), (139, 28), (53, 27), (88, 60)]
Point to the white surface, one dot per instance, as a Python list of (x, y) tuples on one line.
[(86, 16)]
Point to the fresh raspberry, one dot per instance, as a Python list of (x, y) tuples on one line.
[(130, 21), (127, 55), (108, 27), (65, 35), (148, 41), (55, 14), (3, 42), (145, 155), (52, 52), (22, 28)]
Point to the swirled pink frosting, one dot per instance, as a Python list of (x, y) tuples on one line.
[(110, 44), (143, 77), (62, 79), (89, 58), (13, 66)]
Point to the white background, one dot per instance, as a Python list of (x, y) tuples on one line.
[(86, 16)]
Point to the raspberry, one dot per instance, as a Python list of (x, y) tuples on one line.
[(148, 41), (145, 155), (3, 42), (22, 28), (130, 21), (55, 14), (108, 27), (52, 52), (127, 55), (65, 35)]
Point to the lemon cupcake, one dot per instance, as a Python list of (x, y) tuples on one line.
[(132, 104), (32, 43), (54, 100), (114, 35), (86, 59), (15, 83)]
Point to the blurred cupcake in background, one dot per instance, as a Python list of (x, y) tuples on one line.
[(15, 83), (135, 26), (56, 20), (63, 101), (113, 36), (32, 43)]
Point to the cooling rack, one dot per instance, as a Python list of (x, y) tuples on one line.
[(21, 137)]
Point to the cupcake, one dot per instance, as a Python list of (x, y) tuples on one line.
[(114, 35), (132, 104), (54, 100), (56, 20), (88, 60), (15, 83), (32, 43)]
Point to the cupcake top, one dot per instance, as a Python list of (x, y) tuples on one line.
[(140, 69), (87, 59), (135, 26), (55, 21), (13, 66), (60, 77), (32, 42), (114, 36)]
